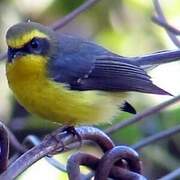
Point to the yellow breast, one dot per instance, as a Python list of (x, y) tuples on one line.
[(28, 79)]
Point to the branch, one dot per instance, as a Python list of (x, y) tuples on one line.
[(104, 167), (140, 116), (172, 175), (15, 143), (165, 25), (156, 137), (48, 146), (113, 156), (161, 16), (35, 141), (4, 147), (66, 19), (2, 56)]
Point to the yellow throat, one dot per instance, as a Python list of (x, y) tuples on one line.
[(28, 79)]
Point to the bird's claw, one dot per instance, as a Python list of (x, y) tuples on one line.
[(55, 136)]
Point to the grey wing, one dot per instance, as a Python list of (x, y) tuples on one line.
[(87, 66), (118, 74)]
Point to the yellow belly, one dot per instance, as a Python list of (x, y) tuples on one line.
[(54, 101)]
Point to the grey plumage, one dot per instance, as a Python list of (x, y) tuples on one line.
[(84, 65)]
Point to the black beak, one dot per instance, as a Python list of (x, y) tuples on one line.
[(13, 53)]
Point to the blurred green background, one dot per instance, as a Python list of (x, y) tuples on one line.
[(125, 27)]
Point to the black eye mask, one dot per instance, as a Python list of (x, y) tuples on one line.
[(35, 46)]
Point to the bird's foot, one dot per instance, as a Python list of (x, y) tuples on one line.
[(72, 130), (57, 136)]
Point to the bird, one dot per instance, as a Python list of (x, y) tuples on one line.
[(71, 80)]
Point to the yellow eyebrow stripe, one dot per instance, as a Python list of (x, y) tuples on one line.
[(22, 40)]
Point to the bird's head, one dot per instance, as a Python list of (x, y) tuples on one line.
[(30, 39), (30, 46)]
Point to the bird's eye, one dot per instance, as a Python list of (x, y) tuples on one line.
[(35, 46)]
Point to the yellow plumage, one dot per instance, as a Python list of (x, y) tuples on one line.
[(27, 77)]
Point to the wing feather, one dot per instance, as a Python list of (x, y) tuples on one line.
[(116, 75), (83, 65)]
